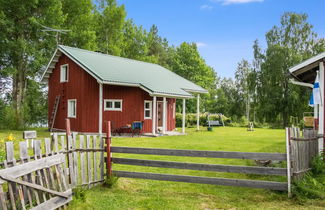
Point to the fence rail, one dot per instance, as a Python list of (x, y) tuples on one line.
[(203, 167), (205, 180), (198, 153)]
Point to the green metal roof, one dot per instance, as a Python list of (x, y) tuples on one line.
[(117, 70)]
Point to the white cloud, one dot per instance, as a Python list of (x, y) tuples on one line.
[(228, 2), (201, 44), (206, 7)]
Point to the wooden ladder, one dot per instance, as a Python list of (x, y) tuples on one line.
[(54, 111)]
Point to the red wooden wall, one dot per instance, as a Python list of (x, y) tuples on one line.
[(85, 89), (80, 86)]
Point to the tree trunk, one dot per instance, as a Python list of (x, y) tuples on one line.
[(18, 94)]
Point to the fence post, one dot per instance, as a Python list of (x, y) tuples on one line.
[(288, 161), (69, 154), (108, 149)]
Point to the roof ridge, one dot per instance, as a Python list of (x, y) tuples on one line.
[(114, 56)]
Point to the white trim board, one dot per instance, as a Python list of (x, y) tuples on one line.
[(307, 62)]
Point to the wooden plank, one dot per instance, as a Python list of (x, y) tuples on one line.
[(29, 135), (75, 157), (3, 204), (288, 162), (101, 145), (63, 145), (70, 161), (12, 186), (43, 170), (304, 139), (35, 186), (56, 143), (55, 202), (95, 157), (198, 153), (89, 160), (11, 191), (37, 154), (49, 170), (26, 168), (203, 167), (23, 157), (82, 160), (205, 180)]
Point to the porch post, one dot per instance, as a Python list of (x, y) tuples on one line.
[(100, 121), (154, 114), (321, 107), (164, 116), (183, 117), (198, 112)]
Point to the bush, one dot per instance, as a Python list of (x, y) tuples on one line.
[(318, 165), (79, 193), (110, 181), (312, 185)]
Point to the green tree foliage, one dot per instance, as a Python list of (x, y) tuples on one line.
[(110, 20), (80, 20), (134, 42), (23, 53), (188, 63), (288, 44)]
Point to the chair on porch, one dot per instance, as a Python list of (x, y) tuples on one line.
[(137, 127)]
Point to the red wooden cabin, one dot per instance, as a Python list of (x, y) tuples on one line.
[(91, 88)]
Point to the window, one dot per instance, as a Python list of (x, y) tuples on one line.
[(72, 108), (113, 105), (64, 73), (147, 109)]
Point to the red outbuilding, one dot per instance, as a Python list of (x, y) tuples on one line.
[(90, 88)]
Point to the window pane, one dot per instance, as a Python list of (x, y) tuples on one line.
[(66, 73), (73, 108), (117, 105), (109, 104), (147, 105), (147, 113)]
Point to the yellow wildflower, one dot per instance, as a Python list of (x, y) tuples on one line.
[(10, 137)]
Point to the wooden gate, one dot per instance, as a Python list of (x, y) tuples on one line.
[(36, 184)]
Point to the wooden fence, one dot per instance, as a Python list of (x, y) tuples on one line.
[(81, 163), (78, 160), (302, 149), (203, 167)]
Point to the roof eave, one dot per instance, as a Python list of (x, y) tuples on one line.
[(51, 65), (309, 62), (196, 91)]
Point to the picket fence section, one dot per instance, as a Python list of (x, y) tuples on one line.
[(302, 150), (79, 161)]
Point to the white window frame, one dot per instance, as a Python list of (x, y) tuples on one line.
[(147, 109), (66, 73), (70, 115), (113, 103)]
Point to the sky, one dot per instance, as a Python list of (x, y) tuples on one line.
[(224, 30)]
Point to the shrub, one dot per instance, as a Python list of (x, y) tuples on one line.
[(110, 181), (312, 185), (79, 193), (318, 165)]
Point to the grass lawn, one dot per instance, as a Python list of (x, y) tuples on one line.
[(148, 194)]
